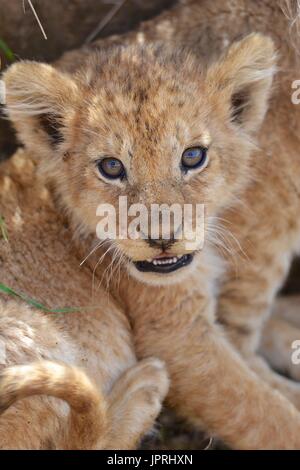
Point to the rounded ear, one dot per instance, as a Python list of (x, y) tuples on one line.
[(38, 98), (243, 77)]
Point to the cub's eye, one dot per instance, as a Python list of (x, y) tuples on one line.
[(111, 168), (194, 157)]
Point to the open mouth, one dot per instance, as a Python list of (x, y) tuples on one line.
[(164, 265)]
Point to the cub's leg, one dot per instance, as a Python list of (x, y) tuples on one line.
[(135, 403), (245, 305), (213, 387), (279, 334), (30, 377), (247, 297), (94, 422)]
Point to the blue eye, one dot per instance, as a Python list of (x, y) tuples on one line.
[(194, 157), (111, 168)]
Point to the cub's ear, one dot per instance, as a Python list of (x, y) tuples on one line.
[(243, 77), (39, 102)]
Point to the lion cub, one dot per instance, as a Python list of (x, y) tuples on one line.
[(157, 127), (83, 357)]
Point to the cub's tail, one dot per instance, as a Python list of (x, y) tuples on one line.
[(87, 419)]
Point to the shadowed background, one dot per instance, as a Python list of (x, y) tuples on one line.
[(67, 24)]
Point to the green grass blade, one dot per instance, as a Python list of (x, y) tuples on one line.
[(7, 290), (7, 51)]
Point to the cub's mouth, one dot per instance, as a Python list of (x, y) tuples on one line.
[(164, 265)]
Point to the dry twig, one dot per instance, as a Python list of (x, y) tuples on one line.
[(104, 22), (36, 17)]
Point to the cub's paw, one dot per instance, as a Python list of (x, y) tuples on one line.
[(135, 402)]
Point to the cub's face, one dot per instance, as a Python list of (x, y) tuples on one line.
[(140, 128)]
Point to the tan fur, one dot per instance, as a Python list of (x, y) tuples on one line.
[(113, 413), (87, 420), (145, 105), (279, 334), (96, 338)]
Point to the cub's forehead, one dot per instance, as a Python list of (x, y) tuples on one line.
[(147, 113), (133, 78), (139, 94)]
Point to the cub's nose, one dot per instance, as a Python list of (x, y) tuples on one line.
[(161, 243)]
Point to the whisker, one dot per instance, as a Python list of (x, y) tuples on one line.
[(227, 233), (101, 243), (97, 264)]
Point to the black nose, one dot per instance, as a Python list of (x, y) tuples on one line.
[(163, 244)]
